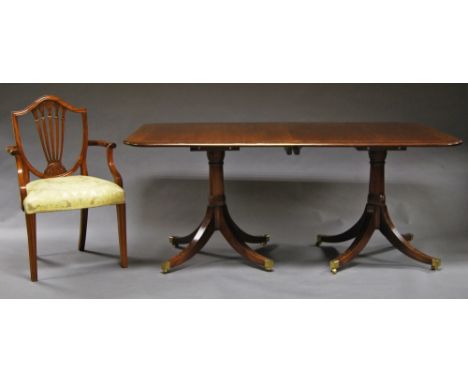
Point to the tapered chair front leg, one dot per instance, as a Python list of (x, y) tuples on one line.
[(241, 248), (241, 234), (122, 226), (349, 234), (356, 247), (32, 245), (83, 228), (399, 241)]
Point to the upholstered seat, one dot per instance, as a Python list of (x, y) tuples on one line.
[(71, 193), (57, 189)]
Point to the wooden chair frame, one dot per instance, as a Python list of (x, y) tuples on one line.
[(49, 115)]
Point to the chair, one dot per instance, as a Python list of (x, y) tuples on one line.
[(58, 189)]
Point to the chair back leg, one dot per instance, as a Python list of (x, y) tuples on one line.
[(83, 227), (32, 246), (121, 221)]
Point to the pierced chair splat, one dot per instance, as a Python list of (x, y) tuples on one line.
[(59, 189)]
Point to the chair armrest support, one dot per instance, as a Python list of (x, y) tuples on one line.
[(22, 170), (109, 146)]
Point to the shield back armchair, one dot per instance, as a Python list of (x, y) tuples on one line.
[(56, 187)]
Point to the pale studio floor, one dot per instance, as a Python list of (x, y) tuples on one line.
[(301, 269), (292, 211)]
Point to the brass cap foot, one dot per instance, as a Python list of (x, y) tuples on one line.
[(408, 236), (436, 263), (172, 240), (319, 241), (267, 239), (334, 265), (165, 267), (268, 265)]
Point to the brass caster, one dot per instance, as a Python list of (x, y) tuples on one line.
[(334, 265), (268, 265), (172, 240), (408, 236), (319, 241), (165, 267), (267, 239), (436, 263)]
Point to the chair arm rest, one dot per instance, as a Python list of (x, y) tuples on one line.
[(102, 143), (109, 146), (22, 171)]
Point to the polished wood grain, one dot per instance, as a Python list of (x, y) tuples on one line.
[(217, 218), (375, 217), (289, 134), (49, 114), (216, 138)]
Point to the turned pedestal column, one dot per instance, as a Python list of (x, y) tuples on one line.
[(375, 217), (217, 218)]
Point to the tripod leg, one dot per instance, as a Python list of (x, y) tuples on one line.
[(349, 234), (399, 241), (199, 240), (241, 247), (240, 233), (356, 247), (177, 240)]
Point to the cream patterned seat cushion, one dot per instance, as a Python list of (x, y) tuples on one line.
[(71, 193)]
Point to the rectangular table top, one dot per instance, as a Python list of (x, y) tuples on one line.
[(274, 134)]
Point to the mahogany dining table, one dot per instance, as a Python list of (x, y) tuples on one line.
[(217, 138)]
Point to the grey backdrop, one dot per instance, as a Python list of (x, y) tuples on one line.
[(292, 198)]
